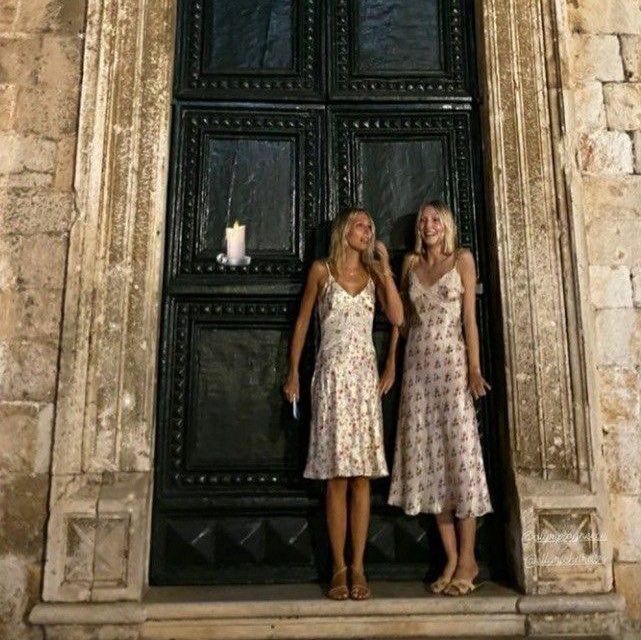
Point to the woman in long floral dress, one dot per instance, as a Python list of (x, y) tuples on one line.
[(438, 466), (346, 439)]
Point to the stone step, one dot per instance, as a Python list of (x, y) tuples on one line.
[(396, 610)]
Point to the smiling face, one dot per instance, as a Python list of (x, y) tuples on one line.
[(431, 227), (360, 233)]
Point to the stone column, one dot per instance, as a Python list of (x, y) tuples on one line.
[(102, 460), (558, 510)]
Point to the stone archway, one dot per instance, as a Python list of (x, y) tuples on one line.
[(97, 539)]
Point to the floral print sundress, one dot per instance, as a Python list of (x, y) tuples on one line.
[(346, 436), (438, 465)]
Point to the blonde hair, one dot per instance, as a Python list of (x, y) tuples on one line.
[(446, 217), (338, 243)]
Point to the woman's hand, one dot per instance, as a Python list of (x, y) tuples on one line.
[(382, 258), (478, 385), (291, 387), (387, 378)]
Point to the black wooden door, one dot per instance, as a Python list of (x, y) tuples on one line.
[(284, 112)]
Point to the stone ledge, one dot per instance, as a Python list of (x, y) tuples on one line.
[(299, 611), (597, 603)]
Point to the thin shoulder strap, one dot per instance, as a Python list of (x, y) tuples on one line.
[(329, 271)]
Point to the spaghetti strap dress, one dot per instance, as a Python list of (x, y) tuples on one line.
[(346, 435)]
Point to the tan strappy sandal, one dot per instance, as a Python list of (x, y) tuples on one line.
[(360, 589), (339, 591), (461, 587), (440, 584)]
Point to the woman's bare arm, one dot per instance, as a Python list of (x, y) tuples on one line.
[(315, 280), (467, 269), (386, 288), (389, 372)]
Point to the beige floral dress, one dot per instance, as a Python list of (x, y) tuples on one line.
[(438, 464), (346, 437)]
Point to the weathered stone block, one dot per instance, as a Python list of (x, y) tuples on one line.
[(627, 582), (610, 287), (619, 395), (618, 336), (19, 60), (596, 58), (19, 591), (46, 111), (26, 153), (30, 313), (623, 105), (622, 452), (25, 437), (626, 515), (26, 180), (613, 241), (611, 198), (35, 211), (28, 370), (606, 152), (92, 632), (60, 63), (23, 510), (636, 286), (8, 93), (64, 16), (589, 108), (7, 14), (65, 163), (596, 625), (613, 16), (22, 265), (96, 543), (631, 55)]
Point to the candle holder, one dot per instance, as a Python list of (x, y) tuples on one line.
[(224, 259)]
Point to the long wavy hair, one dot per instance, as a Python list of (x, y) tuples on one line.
[(446, 217), (338, 243)]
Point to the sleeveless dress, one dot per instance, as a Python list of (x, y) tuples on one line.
[(438, 464), (346, 436)]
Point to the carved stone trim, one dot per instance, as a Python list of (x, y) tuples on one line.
[(105, 411), (545, 319)]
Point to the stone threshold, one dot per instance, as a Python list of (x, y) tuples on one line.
[(398, 610)]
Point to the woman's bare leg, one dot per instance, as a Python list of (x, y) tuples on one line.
[(336, 514), (359, 519), (445, 523), (466, 567), (359, 525)]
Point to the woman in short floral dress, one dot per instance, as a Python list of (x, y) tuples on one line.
[(438, 466), (346, 439)]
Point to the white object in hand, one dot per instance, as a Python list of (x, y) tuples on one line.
[(235, 239), (295, 409)]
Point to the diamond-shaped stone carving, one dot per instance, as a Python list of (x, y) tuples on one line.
[(190, 542), (567, 544), (240, 540), (381, 545), (288, 541)]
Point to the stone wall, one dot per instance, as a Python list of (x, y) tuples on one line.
[(40, 62), (606, 39)]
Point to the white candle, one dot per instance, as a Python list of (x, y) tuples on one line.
[(235, 238)]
